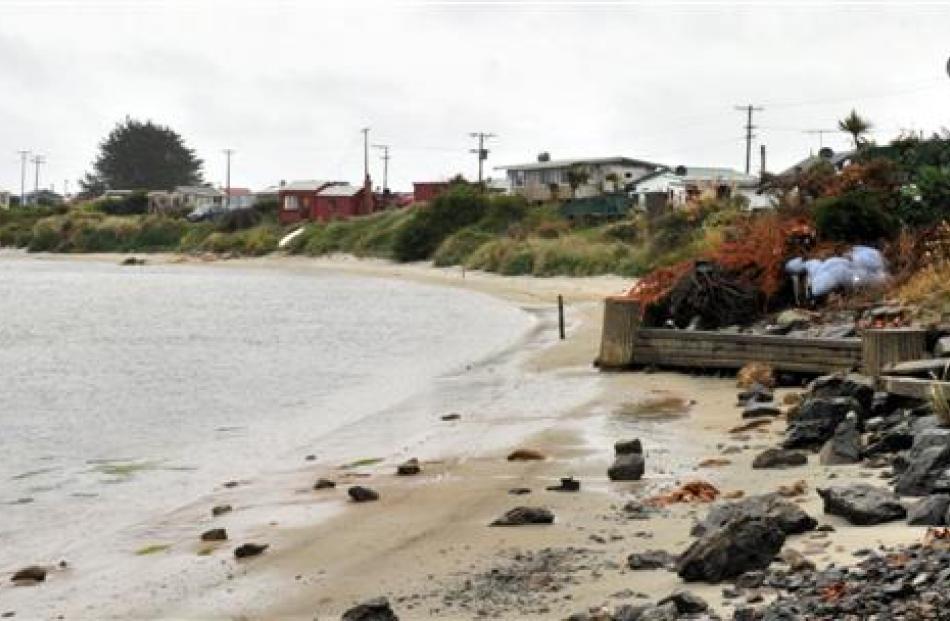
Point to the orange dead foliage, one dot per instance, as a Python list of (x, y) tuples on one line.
[(694, 491), (652, 287), (834, 592)]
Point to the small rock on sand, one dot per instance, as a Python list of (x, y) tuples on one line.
[(526, 454), (220, 510), (568, 484), (519, 491), (410, 467), (31, 574), (778, 458), (247, 550), (362, 494), (862, 504), (376, 609), (651, 559), (452, 416), (215, 534), (324, 484), (521, 516), (627, 467)]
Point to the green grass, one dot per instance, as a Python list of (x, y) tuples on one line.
[(154, 548), (359, 463)]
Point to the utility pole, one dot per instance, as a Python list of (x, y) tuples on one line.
[(23, 156), (227, 178), (385, 158), (762, 154), (38, 160), (749, 109), (481, 151), (821, 135), (365, 131)]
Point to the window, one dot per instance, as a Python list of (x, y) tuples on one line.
[(290, 203), (517, 178)]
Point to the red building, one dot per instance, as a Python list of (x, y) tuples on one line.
[(323, 200), (428, 190)]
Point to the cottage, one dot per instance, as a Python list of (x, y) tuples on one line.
[(296, 199), (183, 198), (549, 179), (323, 200), (239, 198), (688, 184)]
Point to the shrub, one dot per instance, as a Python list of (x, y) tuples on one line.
[(419, 236), (629, 231), (456, 248), (858, 216), (239, 219), (671, 230), (927, 200), (133, 204)]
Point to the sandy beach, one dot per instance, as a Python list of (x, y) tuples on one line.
[(426, 544)]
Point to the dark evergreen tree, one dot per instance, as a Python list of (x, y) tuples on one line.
[(139, 155)]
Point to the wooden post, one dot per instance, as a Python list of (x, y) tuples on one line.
[(885, 346), (621, 321), (560, 315)]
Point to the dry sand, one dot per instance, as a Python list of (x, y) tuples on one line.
[(428, 535)]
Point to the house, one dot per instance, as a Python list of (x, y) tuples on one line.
[(239, 198), (423, 191), (4, 199), (688, 184), (44, 198), (549, 179), (183, 198), (324, 200), (838, 160)]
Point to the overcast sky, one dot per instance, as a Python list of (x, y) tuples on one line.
[(289, 84)]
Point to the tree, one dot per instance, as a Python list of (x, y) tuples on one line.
[(576, 177), (140, 155), (856, 126)]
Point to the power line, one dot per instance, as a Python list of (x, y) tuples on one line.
[(385, 158), (481, 151), (749, 109)]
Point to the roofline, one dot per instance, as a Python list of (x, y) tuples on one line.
[(566, 163)]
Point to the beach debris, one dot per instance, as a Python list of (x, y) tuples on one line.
[(220, 510), (525, 454), (362, 494), (756, 393), (789, 517), (629, 463), (817, 420), (324, 484), (778, 458), (132, 261), (743, 544), (733, 494), (844, 447), (29, 575), (756, 373), (247, 550), (452, 416), (686, 603), (567, 484), (638, 510), (521, 516), (752, 424), (519, 491), (215, 534), (714, 462), (798, 488), (754, 409), (359, 463), (310, 457), (376, 609), (661, 404), (862, 504), (231, 484), (694, 491), (410, 467), (651, 559), (929, 511)]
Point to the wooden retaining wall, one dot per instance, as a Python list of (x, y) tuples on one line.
[(625, 344)]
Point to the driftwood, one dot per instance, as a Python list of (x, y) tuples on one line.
[(712, 295)]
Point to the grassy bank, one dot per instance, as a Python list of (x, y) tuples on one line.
[(463, 227)]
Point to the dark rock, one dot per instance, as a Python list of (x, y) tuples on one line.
[(929, 511), (627, 467), (409, 467), (844, 447), (626, 447), (568, 484), (760, 410), (860, 387), (862, 504), (247, 550), (519, 491), (33, 573), (778, 458), (520, 516), (925, 471), (628, 612), (376, 609), (453, 416), (686, 603), (639, 511), (755, 393), (526, 454), (897, 438), (742, 544), (362, 494), (789, 517), (651, 559), (750, 580), (324, 484), (666, 612), (215, 534), (132, 261), (220, 510), (310, 457), (817, 420)]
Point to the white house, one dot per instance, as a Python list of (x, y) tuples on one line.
[(4, 199), (547, 179), (684, 184)]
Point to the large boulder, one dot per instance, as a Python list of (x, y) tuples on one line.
[(778, 458), (789, 517), (859, 387), (927, 471), (626, 447), (862, 504), (844, 447), (376, 609), (521, 516), (627, 467), (741, 545), (686, 603), (929, 511), (817, 420), (664, 612)]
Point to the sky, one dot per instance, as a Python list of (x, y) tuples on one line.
[(289, 84)]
